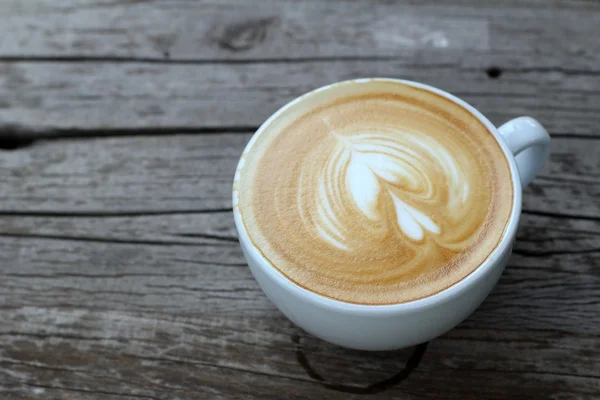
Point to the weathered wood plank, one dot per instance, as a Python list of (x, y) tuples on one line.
[(155, 299), (177, 303), (169, 356), (505, 33), (140, 311), (195, 173), (129, 174), (152, 305), (540, 235), (192, 263), (40, 97)]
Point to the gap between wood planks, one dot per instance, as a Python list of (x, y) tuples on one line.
[(190, 239), (110, 214), (492, 71), (15, 137)]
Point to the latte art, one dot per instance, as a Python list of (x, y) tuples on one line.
[(362, 170), (376, 193)]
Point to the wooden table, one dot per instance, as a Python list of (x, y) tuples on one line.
[(121, 123)]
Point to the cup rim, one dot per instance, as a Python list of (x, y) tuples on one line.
[(444, 295)]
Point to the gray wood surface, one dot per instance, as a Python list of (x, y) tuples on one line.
[(120, 272), (517, 33), (49, 98), (172, 64)]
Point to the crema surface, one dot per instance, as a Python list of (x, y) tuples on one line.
[(375, 192)]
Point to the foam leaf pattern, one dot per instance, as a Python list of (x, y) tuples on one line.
[(376, 194), (366, 170)]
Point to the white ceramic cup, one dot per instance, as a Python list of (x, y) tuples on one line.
[(526, 146)]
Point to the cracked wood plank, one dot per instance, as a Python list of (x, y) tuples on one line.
[(178, 321), (90, 98), (143, 301), (194, 173)]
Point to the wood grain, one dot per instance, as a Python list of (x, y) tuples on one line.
[(179, 264), (120, 272), (508, 33), (168, 356), (175, 173), (186, 319), (61, 98), (97, 66), (141, 287)]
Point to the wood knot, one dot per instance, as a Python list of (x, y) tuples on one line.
[(246, 35), (493, 72)]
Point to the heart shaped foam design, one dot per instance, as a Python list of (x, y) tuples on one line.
[(383, 195), (363, 168)]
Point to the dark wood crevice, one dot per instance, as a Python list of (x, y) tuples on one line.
[(549, 253), (146, 242), (208, 236), (183, 61), (55, 335), (58, 275), (110, 213), (11, 141), (559, 135), (494, 72), (226, 210), (530, 372), (584, 180), (221, 238), (561, 215), (14, 137)]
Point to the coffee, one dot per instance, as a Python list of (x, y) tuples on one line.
[(374, 192)]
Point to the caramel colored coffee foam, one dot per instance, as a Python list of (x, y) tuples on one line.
[(375, 193)]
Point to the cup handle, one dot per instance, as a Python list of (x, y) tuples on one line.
[(529, 143)]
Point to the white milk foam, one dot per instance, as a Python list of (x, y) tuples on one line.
[(371, 164), (374, 192)]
